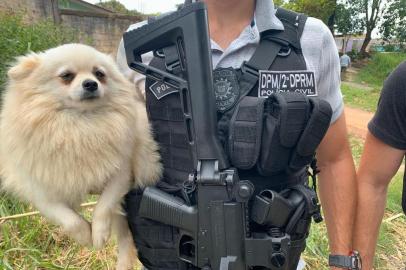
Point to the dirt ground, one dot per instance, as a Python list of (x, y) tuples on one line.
[(357, 121)]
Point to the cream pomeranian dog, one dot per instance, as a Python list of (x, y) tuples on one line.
[(71, 125)]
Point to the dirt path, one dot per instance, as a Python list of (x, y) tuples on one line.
[(357, 121)]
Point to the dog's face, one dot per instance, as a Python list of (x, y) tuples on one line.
[(75, 75)]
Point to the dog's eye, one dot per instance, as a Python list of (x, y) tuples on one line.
[(99, 75), (67, 76)]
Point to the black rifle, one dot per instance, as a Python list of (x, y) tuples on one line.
[(215, 233)]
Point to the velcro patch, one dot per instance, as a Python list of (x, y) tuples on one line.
[(299, 81), (161, 89)]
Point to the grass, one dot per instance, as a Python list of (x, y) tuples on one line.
[(362, 98), (379, 67), (362, 90), (33, 243)]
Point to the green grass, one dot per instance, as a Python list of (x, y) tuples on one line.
[(33, 243), (362, 98), (362, 90), (390, 237), (379, 67)]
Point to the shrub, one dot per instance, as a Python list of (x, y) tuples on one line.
[(18, 37), (379, 67)]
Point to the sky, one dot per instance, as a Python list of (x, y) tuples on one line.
[(147, 6)]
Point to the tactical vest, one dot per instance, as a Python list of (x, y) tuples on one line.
[(238, 115), (166, 116)]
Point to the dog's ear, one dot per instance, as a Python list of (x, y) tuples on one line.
[(24, 66)]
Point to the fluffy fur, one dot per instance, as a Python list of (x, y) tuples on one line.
[(57, 145)]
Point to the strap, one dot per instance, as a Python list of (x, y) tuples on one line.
[(293, 23), (263, 58), (340, 261), (352, 262)]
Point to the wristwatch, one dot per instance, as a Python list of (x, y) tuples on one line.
[(351, 262)]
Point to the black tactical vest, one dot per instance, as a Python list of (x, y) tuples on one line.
[(165, 112), (279, 52)]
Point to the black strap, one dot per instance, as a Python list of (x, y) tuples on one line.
[(345, 262), (293, 23), (263, 58)]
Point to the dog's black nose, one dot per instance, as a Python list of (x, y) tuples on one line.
[(90, 85)]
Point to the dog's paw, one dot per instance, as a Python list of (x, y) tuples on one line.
[(101, 228), (81, 231)]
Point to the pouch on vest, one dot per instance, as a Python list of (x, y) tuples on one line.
[(285, 118), (245, 133), (314, 132)]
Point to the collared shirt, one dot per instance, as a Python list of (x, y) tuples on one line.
[(345, 60), (317, 42)]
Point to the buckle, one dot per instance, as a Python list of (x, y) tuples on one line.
[(356, 262), (285, 52), (250, 70), (172, 66)]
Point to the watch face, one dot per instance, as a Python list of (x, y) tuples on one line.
[(356, 260)]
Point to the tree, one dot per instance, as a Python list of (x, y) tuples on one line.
[(117, 7), (347, 23), (370, 11), (322, 9), (393, 27)]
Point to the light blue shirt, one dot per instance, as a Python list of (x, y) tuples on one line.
[(317, 42), (345, 60)]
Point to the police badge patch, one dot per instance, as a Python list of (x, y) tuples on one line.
[(226, 88), (299, 81), (161, 89)]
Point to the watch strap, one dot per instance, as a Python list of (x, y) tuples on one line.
[(341, 261), (352, 262)]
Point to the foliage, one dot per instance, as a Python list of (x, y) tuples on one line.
[(321, 9), (370, 12), (393, 28), (379, 67), (117, 7), (354, 55), (18, 37), (347, 22)]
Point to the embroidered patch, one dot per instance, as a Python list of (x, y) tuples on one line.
[(286, 81), (226, 88), (161, 89)]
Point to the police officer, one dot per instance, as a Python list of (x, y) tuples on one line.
[(235, 27), (384, 149)]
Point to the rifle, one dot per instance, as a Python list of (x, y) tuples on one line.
[(215, 232)]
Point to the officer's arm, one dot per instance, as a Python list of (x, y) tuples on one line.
[(379, 163), (337, 186)]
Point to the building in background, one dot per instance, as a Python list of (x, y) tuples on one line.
[(97, 26)]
